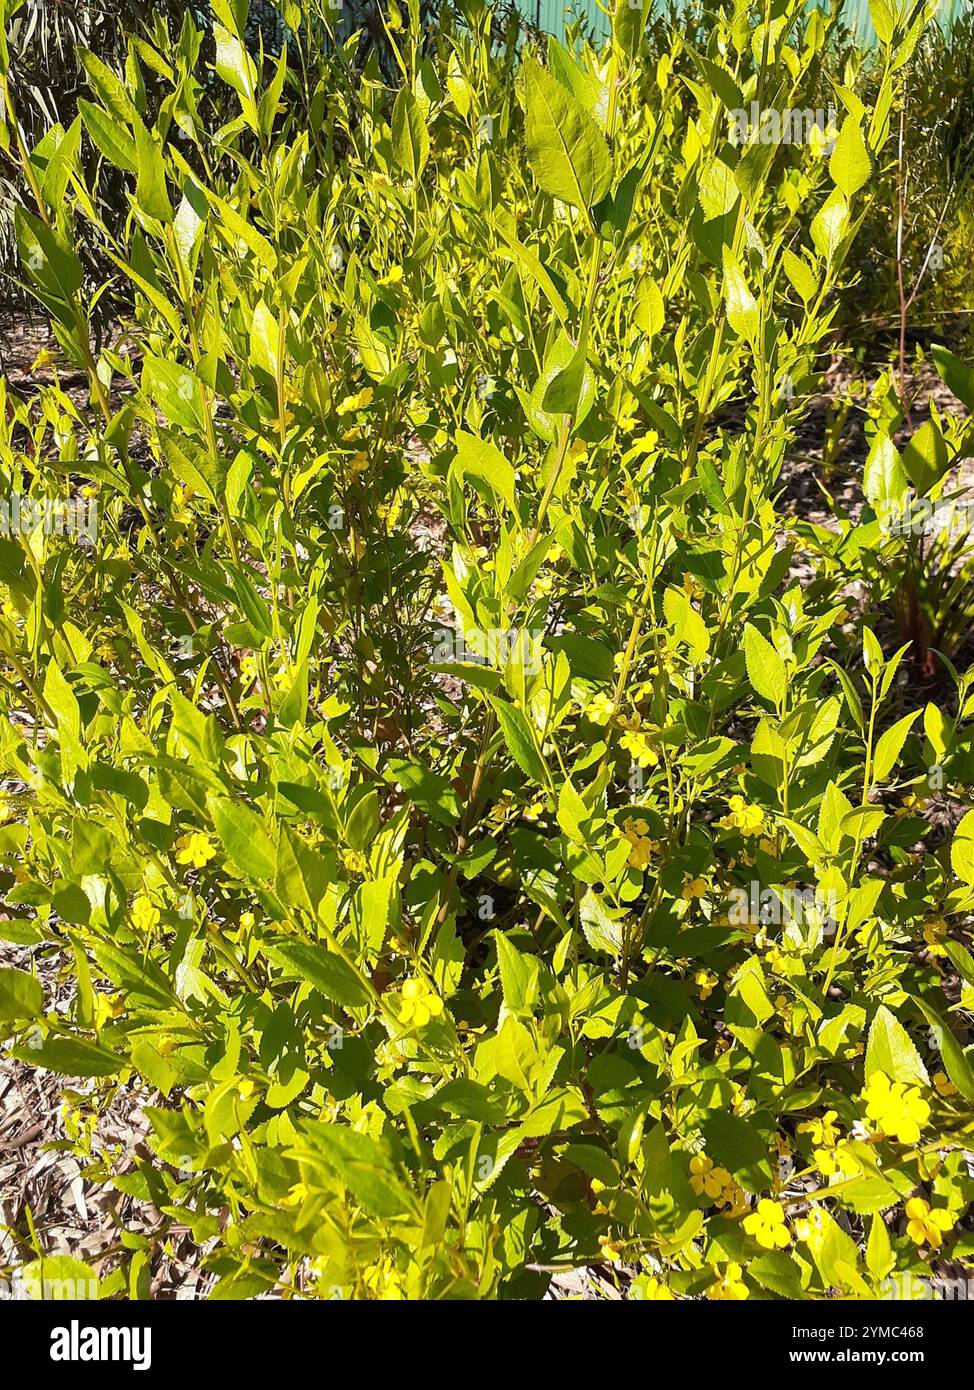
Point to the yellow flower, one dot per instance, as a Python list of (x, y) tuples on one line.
[(359, 462), (823, 1131), (418, 1003), (637, 746), (898, 1110), (943, 1085), (742, 816), (601, 708), (767, 1225), (640, 854), (808, 1227), (734, 1201), (728, 1287), (501, 808), (611, 1250), (357, 402), (926, 1227), (355, 861), (934, 932), (653, 1289), (194, 849), (693, 888), (634, 830), (705, 981), (706, 1180), (107, 1006), (43, 359), (384, 1281), (296, 1195), (247, 921), (145, 915)]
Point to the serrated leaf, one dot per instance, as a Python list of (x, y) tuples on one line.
[(962, 850), (21, 995), (603, 932), (890, 1050), (765, 668), (245, 838), (849, 163), (890, 745), (566, 151), (410, 138), (955, 1060), (322, 969), (480, 458)]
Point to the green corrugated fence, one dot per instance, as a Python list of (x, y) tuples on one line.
[(550, 15)]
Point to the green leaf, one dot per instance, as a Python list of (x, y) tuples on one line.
[(765, 668), (519, 975), (800, 275), (718, 189), (736, 1144), (254, 608), (325, 971), (849, 163), (150, 186), (303, 875), (603, 932), (235, 66), (742, 308), (829, 224), (59, 1279), (55, 267), (481, 459), (890, 1050), (70, 1057), (925, 457), (110, 137), (686, 622), (884, 478), (64, 704), (879, 1253), (955, 1060), (245, 838), (890, 745), (628, 24), (364, 1165), (520, 741), (563, 392), (566, 151), (265, 339), (957, 376), (21, 996), (410, 138), (649, 313), (962, 850), (174, 391), (883, 16)]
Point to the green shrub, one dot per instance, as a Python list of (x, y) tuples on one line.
[(450, 805)]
